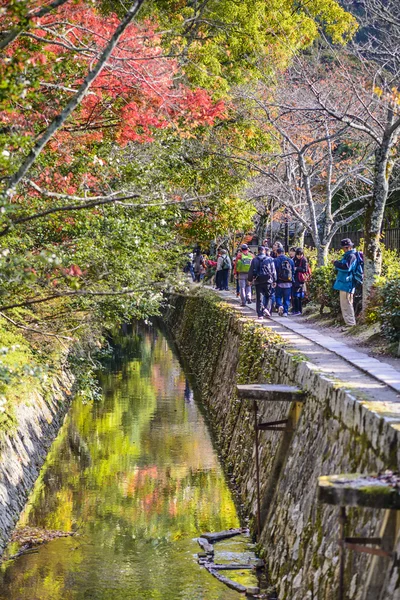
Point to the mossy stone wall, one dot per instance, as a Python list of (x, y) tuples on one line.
[(336, 433), (38, 419)]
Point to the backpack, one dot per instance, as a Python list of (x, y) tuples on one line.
[(285, 274), (358, 270), (226, 264), (244, 262), (263, 268)]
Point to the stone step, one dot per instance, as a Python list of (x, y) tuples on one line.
[(270, 392)]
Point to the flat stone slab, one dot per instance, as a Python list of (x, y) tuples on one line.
[(229, 567), (358, 490), (206, 546), (238, 587), (221, 535), (270, 392)]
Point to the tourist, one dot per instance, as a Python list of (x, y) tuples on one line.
[(274, 251), (218, 270), (345, 280), (292, 253), (225, 266), (234, 271), (269, 303), (199, 266), (241, 270), (189, 266), (211, 270), (285, 272), (262, 272), (300, 274)]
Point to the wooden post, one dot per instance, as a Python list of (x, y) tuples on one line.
[(342, 520), (257, 470)]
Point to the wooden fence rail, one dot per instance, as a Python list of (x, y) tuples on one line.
[(390, 239)]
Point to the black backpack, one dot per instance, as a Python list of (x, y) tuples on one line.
[(285, 274), (264, 269)]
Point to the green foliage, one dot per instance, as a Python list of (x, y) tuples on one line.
[(376, 312), (232, 42), (390, 311), (21, 370), (390, 263), (321, 288)]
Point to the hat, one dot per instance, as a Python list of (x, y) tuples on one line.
[(261, 248), (244, 247), (346, 242), (223, 251)]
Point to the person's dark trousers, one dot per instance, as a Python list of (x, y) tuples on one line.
[(237, 286), (296, 297), (224, 279), (263, 294), (218, 277)]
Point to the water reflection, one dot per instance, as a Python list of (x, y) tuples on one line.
[(136, 474)]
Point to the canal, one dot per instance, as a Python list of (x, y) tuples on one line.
[(135, 475)]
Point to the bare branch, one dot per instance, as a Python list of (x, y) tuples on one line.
[(79, 293), (37, 331)]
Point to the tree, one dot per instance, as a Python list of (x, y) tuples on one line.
[(369, 70), (313, 166), (86, 88)]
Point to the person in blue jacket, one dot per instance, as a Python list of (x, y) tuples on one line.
[(345, 281), (285, 276)]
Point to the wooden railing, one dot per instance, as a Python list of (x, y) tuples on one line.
[(390, 238)]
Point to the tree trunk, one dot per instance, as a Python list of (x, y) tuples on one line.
[(261, 229), (374, 218), (299, 236), (322, 255)]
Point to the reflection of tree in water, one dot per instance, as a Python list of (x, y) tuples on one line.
[(137, 474)]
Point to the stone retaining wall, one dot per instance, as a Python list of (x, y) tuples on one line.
[(24, 450), (336, 433)]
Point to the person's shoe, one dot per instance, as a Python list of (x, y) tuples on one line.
[(285, 315), (296, 314), (280, 311), (267, 314), (260, 318), (237, 295), (249, 301), (242, 304)]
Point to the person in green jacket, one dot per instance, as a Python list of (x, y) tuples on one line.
[(241, 271)]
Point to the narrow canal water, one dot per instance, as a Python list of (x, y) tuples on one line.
[(135, 473)]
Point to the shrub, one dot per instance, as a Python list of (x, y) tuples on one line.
[(390, 264), (390, 313), (390, 275), (321, 288)]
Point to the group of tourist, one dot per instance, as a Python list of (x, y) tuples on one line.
[(279, 280)]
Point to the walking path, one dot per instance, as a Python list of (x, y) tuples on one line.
[(377, 381)]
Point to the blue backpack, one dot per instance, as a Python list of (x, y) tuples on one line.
[(358, 270)]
